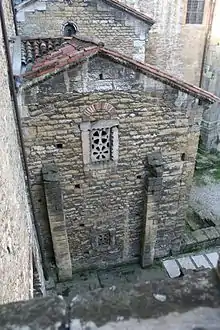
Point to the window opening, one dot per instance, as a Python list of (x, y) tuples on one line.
[(69, 30), (195, 11), (183, 157), (100, 144)]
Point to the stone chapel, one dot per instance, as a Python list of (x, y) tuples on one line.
[(111, 145), (111, 140)]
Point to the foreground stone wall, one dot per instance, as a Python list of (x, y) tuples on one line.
[(112, 200), (118, 29), (154, 305), (15, 236)]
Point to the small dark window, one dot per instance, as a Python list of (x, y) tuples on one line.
[(183, 157), (100, 76), (195, 11), (59, 146), (69, 30), (77, 186)]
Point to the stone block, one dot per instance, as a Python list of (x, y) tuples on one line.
[(212, 233), (200, 236), (172, 268), (201, 261), (213, 258), (186, 263)]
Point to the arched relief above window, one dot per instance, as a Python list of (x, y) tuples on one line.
[(104, 107)]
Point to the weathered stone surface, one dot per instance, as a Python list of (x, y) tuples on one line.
[(116, 28), (172, 268), (201, 261), (40, 313), (198, 319), (56, 217), (153, 305), (182, 294), (17, 239), (186, 263), (105, 203), (213, 258)]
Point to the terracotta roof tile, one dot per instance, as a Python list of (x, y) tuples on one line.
[(70, 53)]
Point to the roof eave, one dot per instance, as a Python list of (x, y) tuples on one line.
[(23, 4), (131, 11), (164, 77)]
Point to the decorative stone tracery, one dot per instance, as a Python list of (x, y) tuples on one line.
[(99, 138), (100, 144)]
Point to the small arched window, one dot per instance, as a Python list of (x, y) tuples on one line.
[(69, 30)]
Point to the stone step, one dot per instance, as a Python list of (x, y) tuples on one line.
[(179, 266)]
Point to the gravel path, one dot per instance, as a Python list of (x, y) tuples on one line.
[(205, 200)]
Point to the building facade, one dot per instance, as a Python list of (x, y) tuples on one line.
[(182, 41), (118, 26), (17, 240), (111, 147), (211, 81)]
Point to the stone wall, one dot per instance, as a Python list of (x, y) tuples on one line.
[(211, 82), (170, 303), (17, 236), (16, 259), (173, 45), (100, 201), (118, 29)]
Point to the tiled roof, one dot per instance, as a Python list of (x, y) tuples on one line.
[(113, 3), (71, 53), (33, 49)]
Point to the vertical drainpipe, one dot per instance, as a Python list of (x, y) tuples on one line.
[(20, 134), (207, 38)]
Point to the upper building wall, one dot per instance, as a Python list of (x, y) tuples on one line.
[(173, 45), (15, 235), (211, 82), (211, 74), (117, 28)]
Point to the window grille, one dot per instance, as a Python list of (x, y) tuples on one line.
[(195, 11)]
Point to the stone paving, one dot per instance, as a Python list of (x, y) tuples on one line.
[(123, 276), (179, 266), (120, 276)]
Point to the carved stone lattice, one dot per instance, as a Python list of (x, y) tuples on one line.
[(104, 239), (100, 144)]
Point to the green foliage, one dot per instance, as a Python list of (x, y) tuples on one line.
[(207, 165)]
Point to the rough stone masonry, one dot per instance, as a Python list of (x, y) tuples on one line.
[(124, 145), (187, 303), (119, 28), (17, 240)]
